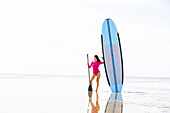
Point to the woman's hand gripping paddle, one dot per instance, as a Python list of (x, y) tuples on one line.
[(90, 88)]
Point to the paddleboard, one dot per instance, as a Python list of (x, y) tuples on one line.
[(112, 55), (114, 104)]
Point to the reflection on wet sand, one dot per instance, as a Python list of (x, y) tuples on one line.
[(114, 104), (94, 107)]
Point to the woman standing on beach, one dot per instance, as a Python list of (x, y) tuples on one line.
[(95, 64)]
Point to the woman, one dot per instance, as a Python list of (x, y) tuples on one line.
[(95, 64)]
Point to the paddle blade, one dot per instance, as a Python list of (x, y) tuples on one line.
[(90, 88)]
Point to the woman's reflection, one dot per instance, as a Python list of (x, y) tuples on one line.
[(94, 108), (114, 104)]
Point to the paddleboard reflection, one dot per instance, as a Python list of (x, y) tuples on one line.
[(95, 107), (114, 104)]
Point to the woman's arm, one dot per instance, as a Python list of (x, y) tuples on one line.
[(91, 64), (102, 62)]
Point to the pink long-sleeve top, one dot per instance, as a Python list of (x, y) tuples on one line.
[(95, 66)]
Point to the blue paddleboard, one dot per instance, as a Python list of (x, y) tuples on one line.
[(112, 55)]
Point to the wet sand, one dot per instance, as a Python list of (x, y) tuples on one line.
[(62, 94)]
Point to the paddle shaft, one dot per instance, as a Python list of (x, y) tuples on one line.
[(88, 67)]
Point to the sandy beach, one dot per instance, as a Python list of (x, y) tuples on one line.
[(62, 94), (43, 55)]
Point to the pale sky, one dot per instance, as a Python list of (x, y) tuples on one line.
[(53, 37)]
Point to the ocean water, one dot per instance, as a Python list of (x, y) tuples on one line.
[(62, 94)]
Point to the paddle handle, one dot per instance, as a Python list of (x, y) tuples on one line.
[(88, 67)]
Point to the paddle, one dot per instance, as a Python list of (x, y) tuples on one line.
[(90, 88)]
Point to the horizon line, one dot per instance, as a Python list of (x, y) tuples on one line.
[(76, 75)]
